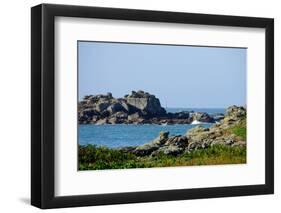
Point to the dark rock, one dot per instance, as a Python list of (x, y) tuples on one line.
[(121, 115), (202, 117), (101, 106), (88, 113), (86, 116), (116, 107), (104, 114), (182, 115)]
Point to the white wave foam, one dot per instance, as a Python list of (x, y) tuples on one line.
[(195, 122)]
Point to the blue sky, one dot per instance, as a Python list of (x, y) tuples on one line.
[(180, 76)]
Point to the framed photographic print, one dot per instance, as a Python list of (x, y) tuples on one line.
[(139, 106)]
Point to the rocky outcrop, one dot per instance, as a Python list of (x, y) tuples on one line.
[(198, 137), (202, 117), (148, 148), (136, 108), (220, 133), (145, 102), (170, 146)]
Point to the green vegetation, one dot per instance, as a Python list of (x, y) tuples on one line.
[(92, 157), (240, 130)]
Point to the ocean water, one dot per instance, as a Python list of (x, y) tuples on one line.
[(120, 135)]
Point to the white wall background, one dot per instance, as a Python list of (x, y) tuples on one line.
[(15, 105)]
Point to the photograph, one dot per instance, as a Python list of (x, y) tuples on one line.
[(138, 105), (160, 105)]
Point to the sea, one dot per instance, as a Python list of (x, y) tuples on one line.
[(123, 135)]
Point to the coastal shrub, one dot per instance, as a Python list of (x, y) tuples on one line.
[(92, 157), (102, 154)]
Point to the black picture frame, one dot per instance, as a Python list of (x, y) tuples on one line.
[(43, 110)]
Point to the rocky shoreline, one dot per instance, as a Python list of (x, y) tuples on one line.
[(137, 108), (222, 133), (230, 131), (222, 143)]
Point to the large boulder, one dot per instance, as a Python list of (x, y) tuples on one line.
[(146, 103), (150, 147)]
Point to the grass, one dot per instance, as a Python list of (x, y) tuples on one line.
[(92, 157), (240, 130)]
